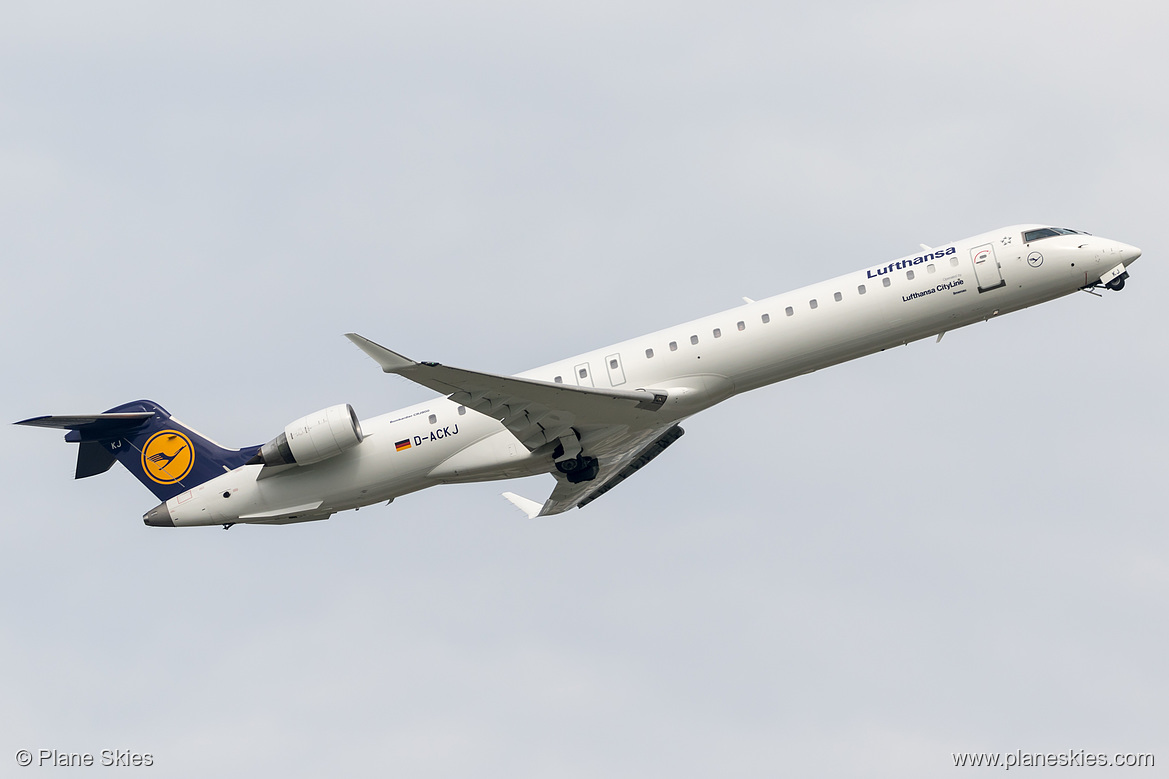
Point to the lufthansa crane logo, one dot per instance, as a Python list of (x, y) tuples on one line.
[(167, 456)]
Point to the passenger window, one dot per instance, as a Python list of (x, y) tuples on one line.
[(860, 290), (812, 303), (766, 318), (954, 262), (789, 311), (649, 353), (462, 410), (559, 380), (433, 419), (909, 275), (673, 346), (718, 333), (885, 281), (693, 340), (742, 325), (837, 297), (930, 268)]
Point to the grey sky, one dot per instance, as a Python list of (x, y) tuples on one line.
[(954, 547)]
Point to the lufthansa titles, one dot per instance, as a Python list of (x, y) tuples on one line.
[(954, 287), (910, 262)]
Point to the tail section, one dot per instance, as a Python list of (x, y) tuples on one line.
[(164, 454)]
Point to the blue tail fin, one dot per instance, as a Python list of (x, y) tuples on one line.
[(166, 456)]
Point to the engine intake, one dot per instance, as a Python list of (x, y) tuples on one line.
[(313, 438)]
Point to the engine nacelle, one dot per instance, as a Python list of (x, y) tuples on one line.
[(313, 438)]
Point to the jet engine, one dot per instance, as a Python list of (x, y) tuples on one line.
[(312, 438)]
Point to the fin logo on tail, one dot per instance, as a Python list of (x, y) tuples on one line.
[(168, 456)]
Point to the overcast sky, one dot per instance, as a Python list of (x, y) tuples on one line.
[(947, 547)]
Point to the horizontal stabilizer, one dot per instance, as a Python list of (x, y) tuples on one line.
[(93, 426), (92, 457)]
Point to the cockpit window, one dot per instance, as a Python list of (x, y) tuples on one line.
[(1035, 235), (1048, 232)]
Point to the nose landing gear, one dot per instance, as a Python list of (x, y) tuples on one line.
[(1113, 280)]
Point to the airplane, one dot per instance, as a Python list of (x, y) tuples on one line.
[(592, 420)]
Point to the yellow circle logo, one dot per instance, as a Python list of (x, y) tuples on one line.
[(168, 456)]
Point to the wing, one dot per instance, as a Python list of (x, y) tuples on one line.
[(536, 412), (622, 429), (616, 467)]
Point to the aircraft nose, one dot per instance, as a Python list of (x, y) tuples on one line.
[(1128, 253), (159, 516)]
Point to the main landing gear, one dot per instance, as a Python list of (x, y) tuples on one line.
[(573, 463), (579, 468)]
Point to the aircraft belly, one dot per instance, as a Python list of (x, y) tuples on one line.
[(496, 456)]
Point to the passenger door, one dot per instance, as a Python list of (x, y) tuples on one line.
[(986, 268)]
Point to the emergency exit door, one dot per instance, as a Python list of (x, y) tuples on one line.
[(616, 372)]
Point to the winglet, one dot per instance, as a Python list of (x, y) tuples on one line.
[(391, 362), (529, 507)]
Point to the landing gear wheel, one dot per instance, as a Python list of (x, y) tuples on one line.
[(569, 466), (1117, 284), (587, 470)]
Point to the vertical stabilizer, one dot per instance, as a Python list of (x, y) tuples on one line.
[(164, 454)]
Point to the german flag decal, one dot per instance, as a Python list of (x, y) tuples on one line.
[(402, 445)]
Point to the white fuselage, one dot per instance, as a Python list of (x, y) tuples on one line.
[(700, 363)]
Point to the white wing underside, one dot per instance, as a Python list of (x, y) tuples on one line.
[(621, 428)]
